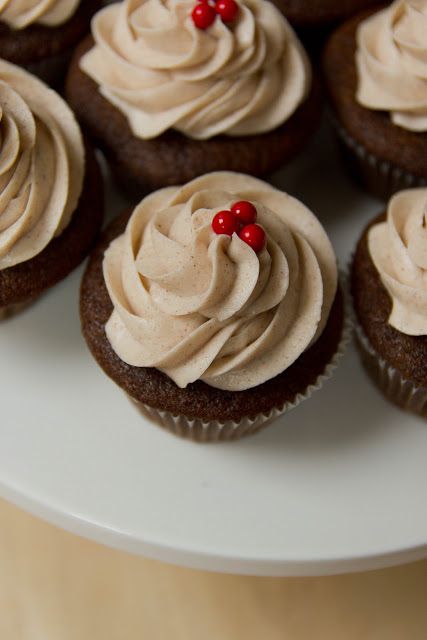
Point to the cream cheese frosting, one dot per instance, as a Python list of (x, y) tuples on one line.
[(201, 306), (41, 165), (161, 72), (18, 14), (392, 63), (398, 248)]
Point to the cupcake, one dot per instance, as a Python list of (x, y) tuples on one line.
[(50, 190), (389, 289), (215, 305), (41, 35), (375, 68), (170, 89)]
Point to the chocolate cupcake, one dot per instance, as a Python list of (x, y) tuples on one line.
[(167, 100), (375, 68), (211, 323), (41, 36), (389, 289), (51, 203)]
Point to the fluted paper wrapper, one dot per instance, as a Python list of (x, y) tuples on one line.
[(377, 176), (404, 393), (216, 431)]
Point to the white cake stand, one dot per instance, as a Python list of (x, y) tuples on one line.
[(339, 484)]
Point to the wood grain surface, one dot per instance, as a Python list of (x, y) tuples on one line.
[(55, 586)]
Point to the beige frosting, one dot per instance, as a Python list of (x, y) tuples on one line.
[(41, 165), (153, 64), (18, 14), (198, 305), (398, 249), (392, 63)]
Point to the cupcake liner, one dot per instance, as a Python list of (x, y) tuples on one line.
[(216, 431), (13, 309), (379, 177), (404, 393)]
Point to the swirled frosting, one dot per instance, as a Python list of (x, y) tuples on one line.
[(398, 249), (203, 306), (161, 72), (18, 14), (392, 63), (41, 165)]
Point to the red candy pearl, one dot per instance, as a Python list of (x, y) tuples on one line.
[(203, 15), (227, 9), (254, 236), (225, 223), (245, 212)]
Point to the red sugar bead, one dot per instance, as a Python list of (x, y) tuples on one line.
[(203, 15), (227, 9), (225, 223), (245, 212), (254, 236)]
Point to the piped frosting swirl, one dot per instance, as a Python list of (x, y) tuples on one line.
[(201, 306), (41, 165), (161, 72), (392, 63), (398, 248), (19, 14)]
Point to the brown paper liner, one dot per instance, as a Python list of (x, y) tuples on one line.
[(401, 392), (215, 431), (378, 177)]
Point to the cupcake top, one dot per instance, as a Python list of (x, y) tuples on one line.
[(202, 305), (18, 14), (153, 63), (41, 165), (392, 63), (398, 248)]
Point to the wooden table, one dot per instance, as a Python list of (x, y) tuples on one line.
[(54, 586)]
